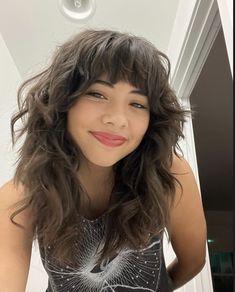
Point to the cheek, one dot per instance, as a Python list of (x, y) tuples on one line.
[(144, 123), (74, 121), (141, 127), (80, 115)]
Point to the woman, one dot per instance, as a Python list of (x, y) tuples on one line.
[(98, 177)]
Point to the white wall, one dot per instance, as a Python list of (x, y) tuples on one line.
[(10, 81)]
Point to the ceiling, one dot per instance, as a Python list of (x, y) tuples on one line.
[(32, 29), (36, 27)]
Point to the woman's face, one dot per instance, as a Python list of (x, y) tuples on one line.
[(109, 121)]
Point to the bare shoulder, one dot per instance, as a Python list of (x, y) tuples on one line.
[(10, 188), (186, 211), (185, 179), (10, 195), (187, 191), (179, 165), (16, 242)]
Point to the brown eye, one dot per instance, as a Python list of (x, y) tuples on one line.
[(138, 105), (95, 94)]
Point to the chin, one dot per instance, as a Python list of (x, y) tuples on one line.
[(104, 163), (105, 159)]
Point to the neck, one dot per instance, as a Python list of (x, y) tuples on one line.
[(94, 173), (97, 183)]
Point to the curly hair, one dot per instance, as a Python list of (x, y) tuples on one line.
[(48, 159)]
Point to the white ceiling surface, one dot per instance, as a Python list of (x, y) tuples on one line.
[(32, 29)]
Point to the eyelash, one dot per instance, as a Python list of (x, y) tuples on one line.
[(140, 106), (98, 95), (95, 94)]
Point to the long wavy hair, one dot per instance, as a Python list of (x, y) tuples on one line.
[(49, 159)]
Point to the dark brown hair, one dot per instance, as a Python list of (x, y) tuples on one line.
[(49, 158)]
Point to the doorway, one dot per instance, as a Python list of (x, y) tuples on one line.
[(212, 100)]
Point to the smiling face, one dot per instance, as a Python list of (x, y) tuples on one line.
[(109, 121)]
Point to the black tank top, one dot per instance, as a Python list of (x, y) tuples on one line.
[(131, 270)]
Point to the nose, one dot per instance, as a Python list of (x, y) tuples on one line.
[(115, 118)]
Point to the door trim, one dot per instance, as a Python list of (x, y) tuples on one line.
[(196, 26)]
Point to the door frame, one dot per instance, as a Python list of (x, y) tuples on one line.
[(196, 26), (226, 16)]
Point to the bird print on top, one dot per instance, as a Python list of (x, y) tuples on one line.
[(130, 270)]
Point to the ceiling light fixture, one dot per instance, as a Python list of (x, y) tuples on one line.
[(77, 10)]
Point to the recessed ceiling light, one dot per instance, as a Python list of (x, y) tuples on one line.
[(77, 10)]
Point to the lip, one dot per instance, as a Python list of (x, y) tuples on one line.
[(109, 139)]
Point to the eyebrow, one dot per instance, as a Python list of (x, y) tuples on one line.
[(111, 85)]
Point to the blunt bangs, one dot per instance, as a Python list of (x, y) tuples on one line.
[(119, 57)]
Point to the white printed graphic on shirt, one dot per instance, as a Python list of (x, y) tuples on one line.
[(129, 270)]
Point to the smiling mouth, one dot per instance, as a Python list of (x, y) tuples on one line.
[(108, 141)]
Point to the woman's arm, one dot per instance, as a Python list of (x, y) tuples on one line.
[(187, 226), (15, 243)]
